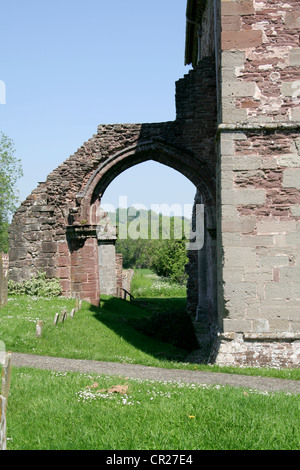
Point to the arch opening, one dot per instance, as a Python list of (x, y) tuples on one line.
[(202, 262)]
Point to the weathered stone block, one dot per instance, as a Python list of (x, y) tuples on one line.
[(237, 8), (239, 256), (239, 224), (230, 113), (246, 196), (295, 114), (42, 208), (66, 286), (296, 210), (49, 247), (276, 226), (246, 162), (294, 57), (279, 290), (238, 326), (238, 89), (63, 261), (275, 261), (256, 240), (233, 59), (290, 88), (289, 160), (261, 326), (63, 273), (254, 274), (241, 40), (231, 239), (227, 146), (227, 180), (229, 210), (279, 325), (227, 162), (291, 178), (292, 20), (269, 162), (235, 274), (228, 197), (239, 291), (231, 23), (292, 273)]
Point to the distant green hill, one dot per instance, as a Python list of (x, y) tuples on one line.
[(147, 224)]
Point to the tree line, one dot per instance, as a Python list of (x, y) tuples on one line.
[(165, 254), (10, 172)]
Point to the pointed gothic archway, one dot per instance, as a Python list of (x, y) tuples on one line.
[(87, 242)]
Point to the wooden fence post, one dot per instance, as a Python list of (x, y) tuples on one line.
[(5, 383)]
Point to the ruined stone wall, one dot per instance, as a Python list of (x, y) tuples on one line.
[(119, 271), (55, 228), (124, 276), (259, 174), (244, 160), (3, 283)]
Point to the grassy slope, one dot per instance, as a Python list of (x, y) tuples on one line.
[(118, 331)]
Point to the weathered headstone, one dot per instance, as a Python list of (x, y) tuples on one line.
[(63, 316), (39, 328), (56, 317)]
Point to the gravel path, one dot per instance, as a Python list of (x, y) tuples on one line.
[(155, 373)]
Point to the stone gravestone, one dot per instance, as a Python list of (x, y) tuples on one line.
[(3, 284)]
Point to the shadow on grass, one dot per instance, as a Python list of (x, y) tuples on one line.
[(159, 327)]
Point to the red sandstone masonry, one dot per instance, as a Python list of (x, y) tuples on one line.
[(39, 242), (279, 200), (241, 40), (269, 36), (237, 8)]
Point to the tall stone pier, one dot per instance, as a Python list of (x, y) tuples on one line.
[(258, 183)]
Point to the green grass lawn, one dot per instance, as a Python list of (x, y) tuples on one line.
[(106, 333), (147, 284), (54, 410), (142, 332), (65, 411)]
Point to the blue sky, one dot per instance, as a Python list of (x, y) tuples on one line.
[(71, 65)]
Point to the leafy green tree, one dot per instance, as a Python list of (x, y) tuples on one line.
[(166, 256), (170, 259), (10, 172)]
